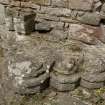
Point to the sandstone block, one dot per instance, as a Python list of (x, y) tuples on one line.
[(93, 64), (70, 62), (91, 85), (60, 3), (90, 18), (100, 77), (62, 87), (24, 24), (103, 11), (9, 19), (42, 2), (43, 27), (85, 5), (97, 5), (65, 79)]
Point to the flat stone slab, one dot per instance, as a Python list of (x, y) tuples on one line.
[(90, 18), (90, 85), (65, 79), (36, 81), (85, 33), (62, 87), (81, 4)]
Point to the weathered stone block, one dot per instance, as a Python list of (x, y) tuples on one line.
[(42, 2), (43, 26), (84, 33), (85, 5), (65, 79), (94, 77), (94, 64), (69, 63), (9, 19), (30, 5), (2, 14), (90, 18), (103, 7), (56, 11), (103, 11), (91, 85), (60, 3)]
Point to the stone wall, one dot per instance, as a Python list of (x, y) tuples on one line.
[(57, 43)]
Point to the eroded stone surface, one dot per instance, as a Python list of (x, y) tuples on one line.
[(66, 37)]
